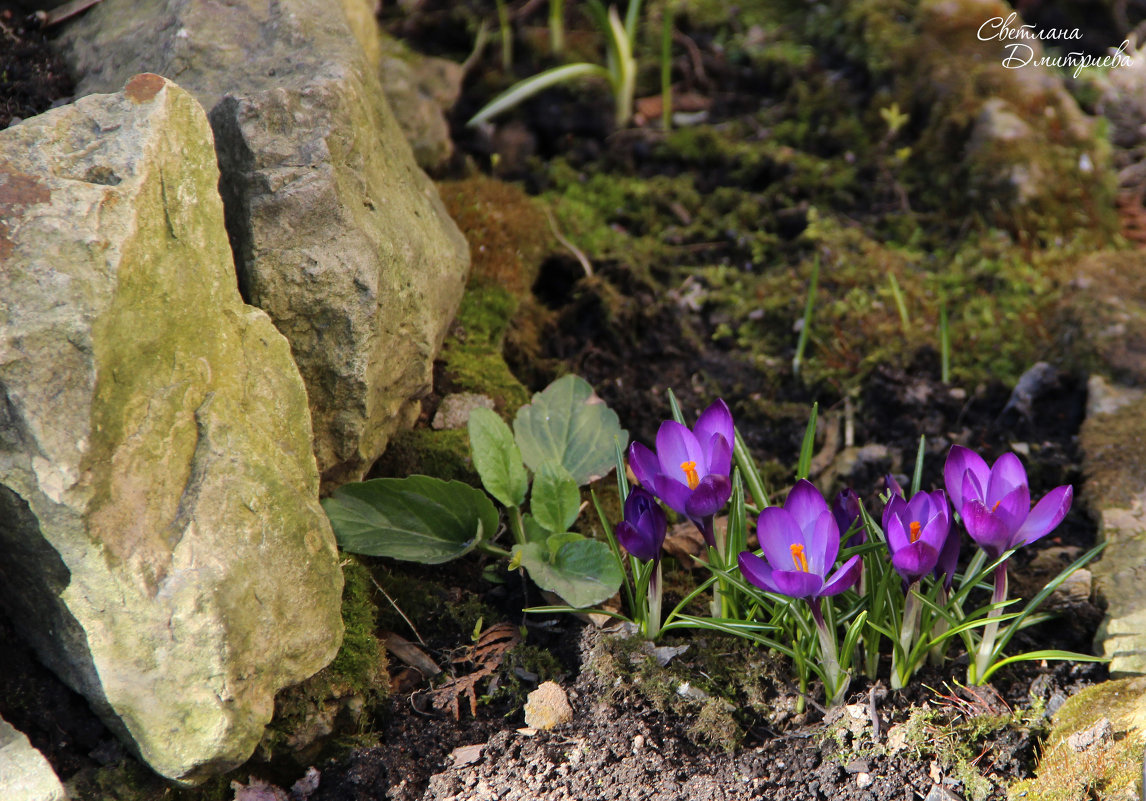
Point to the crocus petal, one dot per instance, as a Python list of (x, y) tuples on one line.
[(844, 578), (776, 530), (644, 464), (896, 507), (1013, 508), (719, 451), (896, 533), (798, 584), (915, 561), (709, 496), (973, 490), (716, 419), (948, 557), (934, 531), (939, 503), (672, 492), (960, 460), (985, 528), (823, 544), (756, 571), (634, 542), (1007, 474), (1047, 514), (893, 486), (676, 445), (805, 504), (921, 507)]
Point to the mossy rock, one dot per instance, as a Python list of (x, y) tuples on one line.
[(1108, 770), (1107, 309)]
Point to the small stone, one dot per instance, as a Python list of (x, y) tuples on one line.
[(940, 793), (547, 706), (858, 766), (24, 772), (1100, 734), (454, 411), (863, 780), (896, 739)]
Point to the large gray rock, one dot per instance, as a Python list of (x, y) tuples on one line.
[(337, 233), (24, 773), (165, 551)]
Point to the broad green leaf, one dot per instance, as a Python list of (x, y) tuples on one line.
[(583, 573), (497, 457), (555, 499), (534, 531), (557, 541), (416, 519), (568, 423)]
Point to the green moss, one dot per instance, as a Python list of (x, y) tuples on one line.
[(512, 690), (1106, 771), (424, 451), (360, 663), (472, 355)]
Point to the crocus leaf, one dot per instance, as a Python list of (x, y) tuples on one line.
[(497, 457), (582, 572), (416, 519), (567, 423), (555, 500)]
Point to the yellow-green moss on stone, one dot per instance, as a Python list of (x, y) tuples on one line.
[(1109, 771)]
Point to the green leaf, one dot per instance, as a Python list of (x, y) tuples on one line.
[(534, 531), (583, 573), (497, 457), (809, 445), (416, 519), (557, 541), (523, 90), (556, 500), (567, 423)]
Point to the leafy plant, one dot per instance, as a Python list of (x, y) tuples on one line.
[(566, 437), (619, 70)]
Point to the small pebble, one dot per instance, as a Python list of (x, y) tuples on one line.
[(547, 706)]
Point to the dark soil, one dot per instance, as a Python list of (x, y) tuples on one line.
[(32, 77)]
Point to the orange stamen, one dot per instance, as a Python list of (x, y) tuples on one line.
[(690, 475), (916, 528), (996, 506), (798, 558)]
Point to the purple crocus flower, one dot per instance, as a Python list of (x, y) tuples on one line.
[(642, 532), (995, 502), (800, 544), (846, 511), (690, 469), (948, 553), (917, 533)]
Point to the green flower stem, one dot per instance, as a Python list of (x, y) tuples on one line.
[(985, 656), (490, 548), (515, 524), (835, 685), (908, 632), (939, 627), (653, 606), (556, 26)]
